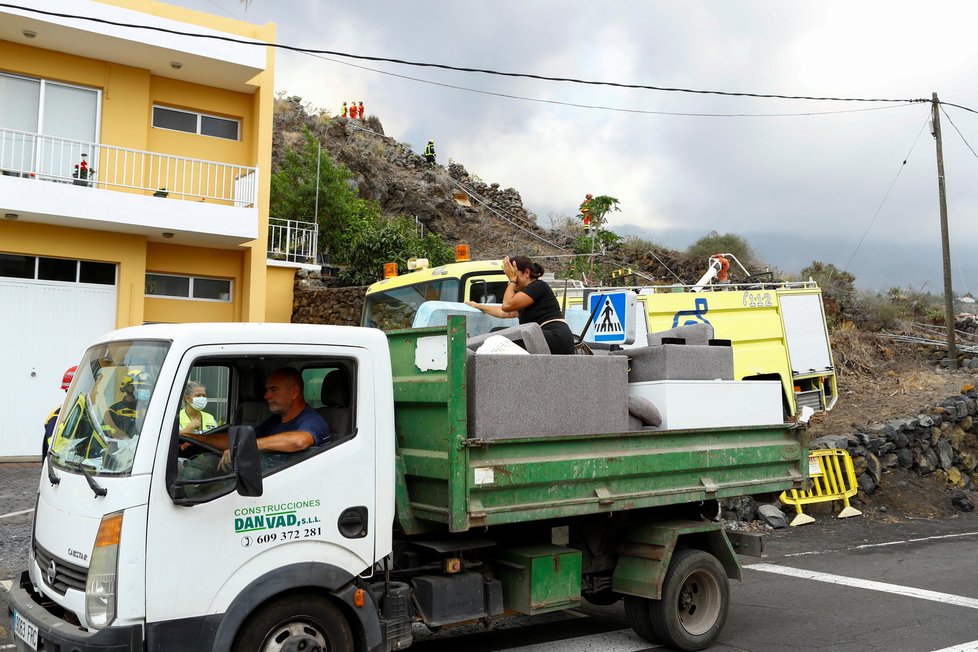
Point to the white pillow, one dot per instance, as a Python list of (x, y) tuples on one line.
[(499, 345)]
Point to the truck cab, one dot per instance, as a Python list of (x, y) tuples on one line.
[(140, 539)]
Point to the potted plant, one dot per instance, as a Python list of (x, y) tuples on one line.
[(83, 174)]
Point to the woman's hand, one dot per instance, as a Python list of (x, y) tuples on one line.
[(473, 304), (510, 269), (192, 426)]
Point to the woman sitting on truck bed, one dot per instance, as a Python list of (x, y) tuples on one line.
[(532, 300)]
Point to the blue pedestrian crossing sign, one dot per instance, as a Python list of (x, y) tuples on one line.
[(613, 317)]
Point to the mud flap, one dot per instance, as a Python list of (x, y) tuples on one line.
[(644, 553)]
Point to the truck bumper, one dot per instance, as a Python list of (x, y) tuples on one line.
[(55, 633)]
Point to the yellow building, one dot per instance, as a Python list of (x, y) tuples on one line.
[(134, 184)]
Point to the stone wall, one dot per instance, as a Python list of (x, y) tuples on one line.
[(940, 442), (316, 301)]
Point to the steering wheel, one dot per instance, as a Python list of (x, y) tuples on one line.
[(205, 446)]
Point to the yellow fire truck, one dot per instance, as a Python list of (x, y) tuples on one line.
[(777, 329)]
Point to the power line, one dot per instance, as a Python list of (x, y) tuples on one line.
[(224, 10), (602, 107), (888, 191), (959, 132), (957, 106), (442, 66)]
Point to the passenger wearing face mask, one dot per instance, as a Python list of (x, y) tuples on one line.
[(193, 419), (121, 417)]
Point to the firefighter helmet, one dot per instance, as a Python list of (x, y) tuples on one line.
[(135, 378)]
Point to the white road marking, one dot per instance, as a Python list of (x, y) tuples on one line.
[(883, 545), (908, 591), (6, 584), (23, 511), (964, 647), (620, 640)]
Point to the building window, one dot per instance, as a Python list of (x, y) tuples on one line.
[(199, 288), (45, 126), (195, 123), (66, 270)]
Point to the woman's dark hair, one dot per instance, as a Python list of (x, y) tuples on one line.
[(523, 263)]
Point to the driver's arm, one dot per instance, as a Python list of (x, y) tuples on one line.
[(287, 442), (218, 440)]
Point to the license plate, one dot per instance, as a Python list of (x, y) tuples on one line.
[(25, 630)]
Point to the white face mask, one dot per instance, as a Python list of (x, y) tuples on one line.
[(142, 394), (198, 402)]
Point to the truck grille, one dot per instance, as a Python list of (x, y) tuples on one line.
[(59, 574)]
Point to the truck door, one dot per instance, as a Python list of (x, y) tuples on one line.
[(202, 554)]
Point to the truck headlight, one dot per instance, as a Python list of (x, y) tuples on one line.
[(100, 589)]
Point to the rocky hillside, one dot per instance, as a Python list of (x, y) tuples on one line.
[(447, 200)]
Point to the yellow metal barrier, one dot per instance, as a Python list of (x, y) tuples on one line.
[(833, 478)]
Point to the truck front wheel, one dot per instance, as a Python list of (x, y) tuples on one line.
[(297, 622), (693, 608)]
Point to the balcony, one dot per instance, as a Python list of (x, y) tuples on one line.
[(119, 168), (292, 241), (90, 185)]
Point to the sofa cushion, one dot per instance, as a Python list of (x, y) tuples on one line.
[(678, 362), (644, 410), (693, 334)]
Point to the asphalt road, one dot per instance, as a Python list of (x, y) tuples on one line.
[(859, 584)]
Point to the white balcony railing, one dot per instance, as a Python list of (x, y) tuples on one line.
[(49, 158), (292, 241)]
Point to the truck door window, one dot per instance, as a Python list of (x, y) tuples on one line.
[(198, 455)]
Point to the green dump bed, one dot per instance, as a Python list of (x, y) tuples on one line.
[(447, 481)]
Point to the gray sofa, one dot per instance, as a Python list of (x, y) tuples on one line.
[(541, 395)]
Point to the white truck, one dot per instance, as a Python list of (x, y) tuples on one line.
[(141, 542)]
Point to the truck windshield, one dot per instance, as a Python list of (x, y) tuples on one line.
[(101, 421), (395, 308)]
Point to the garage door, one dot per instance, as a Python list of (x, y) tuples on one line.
[(46, 327)]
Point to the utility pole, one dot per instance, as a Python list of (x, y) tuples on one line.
[(952, 349)]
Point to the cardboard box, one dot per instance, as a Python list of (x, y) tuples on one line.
[(686, 404)]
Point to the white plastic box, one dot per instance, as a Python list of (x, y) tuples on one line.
[(687, 404)]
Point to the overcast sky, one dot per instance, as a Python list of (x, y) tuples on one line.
[(797, 187)]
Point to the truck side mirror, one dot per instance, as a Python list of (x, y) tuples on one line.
[(245, 460)]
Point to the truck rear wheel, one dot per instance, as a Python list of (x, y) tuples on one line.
[(299, 622), (693, 608)]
